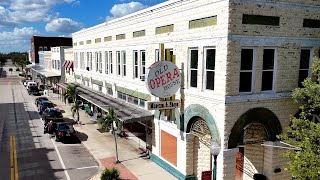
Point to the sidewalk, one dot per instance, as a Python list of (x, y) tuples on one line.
[(101, 145)]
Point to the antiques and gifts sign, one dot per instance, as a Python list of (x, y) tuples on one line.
[(164, 79)]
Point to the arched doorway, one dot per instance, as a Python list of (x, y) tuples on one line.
[(201, 129), (249, 132), (199, 144)]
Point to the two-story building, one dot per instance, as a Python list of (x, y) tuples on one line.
[(240, 60)]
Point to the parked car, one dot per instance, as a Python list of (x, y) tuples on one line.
[(33, 90), (63, 131), (53, 114), (39, 99), (44, 105), (31, 84), (25, 83)]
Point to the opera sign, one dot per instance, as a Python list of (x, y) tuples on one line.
[(164, 79)]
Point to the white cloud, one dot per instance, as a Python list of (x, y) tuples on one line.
[(17, 40), (64, 25), (21, 11), (119, 10)]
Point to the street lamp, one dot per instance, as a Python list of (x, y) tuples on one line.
[(214, 150)]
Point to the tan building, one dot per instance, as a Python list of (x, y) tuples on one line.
[(240, 60)]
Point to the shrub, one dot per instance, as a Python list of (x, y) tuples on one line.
[(110, 174)]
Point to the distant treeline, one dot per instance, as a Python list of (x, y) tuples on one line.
[(19, 58)]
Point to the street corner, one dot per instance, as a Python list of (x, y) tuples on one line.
[(110, 162)]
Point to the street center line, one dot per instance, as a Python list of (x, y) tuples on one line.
[(60, 159), (11, 160), (15, 158), (88, 167)]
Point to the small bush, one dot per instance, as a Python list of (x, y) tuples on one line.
[(110, 174)]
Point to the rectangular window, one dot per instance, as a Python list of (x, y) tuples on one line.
[(88, 41), (268, 69), (106, 62), (157, 55), (90, 57), (81, 42), (97, 61), (88, 61), (97, 40), (193, 55), (118, 63), (110, 61), (246, 70), (304, 69), (203, 22), (210, 55), (168, 54), (164, 29), (120, 36), (75, 44), (108, 38), (100, 62), (139, 33), (143, 65), (124, 63), (311, 23), (136, 64), (260, 20)]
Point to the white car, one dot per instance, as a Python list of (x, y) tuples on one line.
[(25, 83)]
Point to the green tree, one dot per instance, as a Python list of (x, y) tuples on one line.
[(75, 110), (304, 130), (108, 120), (72, 93), (110, 174)]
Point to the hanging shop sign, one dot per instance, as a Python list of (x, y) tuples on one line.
[(157, 105), (164, 79)]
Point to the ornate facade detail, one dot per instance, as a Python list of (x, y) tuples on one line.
[(200, 129)]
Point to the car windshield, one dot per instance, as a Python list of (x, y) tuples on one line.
[(65, 127), (55, 113), (43, 99), (47, 104)]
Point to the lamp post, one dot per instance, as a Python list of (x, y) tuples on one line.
[(214, 150)]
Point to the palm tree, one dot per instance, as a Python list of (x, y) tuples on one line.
[(71, 93), (107, 121), (75, 110)]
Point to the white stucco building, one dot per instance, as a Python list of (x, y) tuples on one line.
[(240, 60)]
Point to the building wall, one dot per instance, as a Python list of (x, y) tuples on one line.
[(45, 43), (224, 103)]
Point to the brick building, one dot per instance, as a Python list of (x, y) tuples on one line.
[(240, 59), (40, 43)]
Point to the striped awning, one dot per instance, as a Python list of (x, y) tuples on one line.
[(70, 65), (67, 63), (64, 63)]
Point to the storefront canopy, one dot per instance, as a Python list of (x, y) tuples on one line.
[(43, 71), (126, 112)]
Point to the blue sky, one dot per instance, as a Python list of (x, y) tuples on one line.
[(21, 19)]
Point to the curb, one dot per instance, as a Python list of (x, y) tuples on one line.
[(97, 160)]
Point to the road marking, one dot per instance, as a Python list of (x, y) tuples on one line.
[(88, 167), (60, 159), (15, 158), (14, 171), (11, 159)]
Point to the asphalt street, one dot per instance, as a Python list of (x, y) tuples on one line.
[(27, 153)]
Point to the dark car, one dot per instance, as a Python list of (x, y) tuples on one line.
[(63, 131), (53, 114), (44, 105), (33, 90), (40, 99)]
